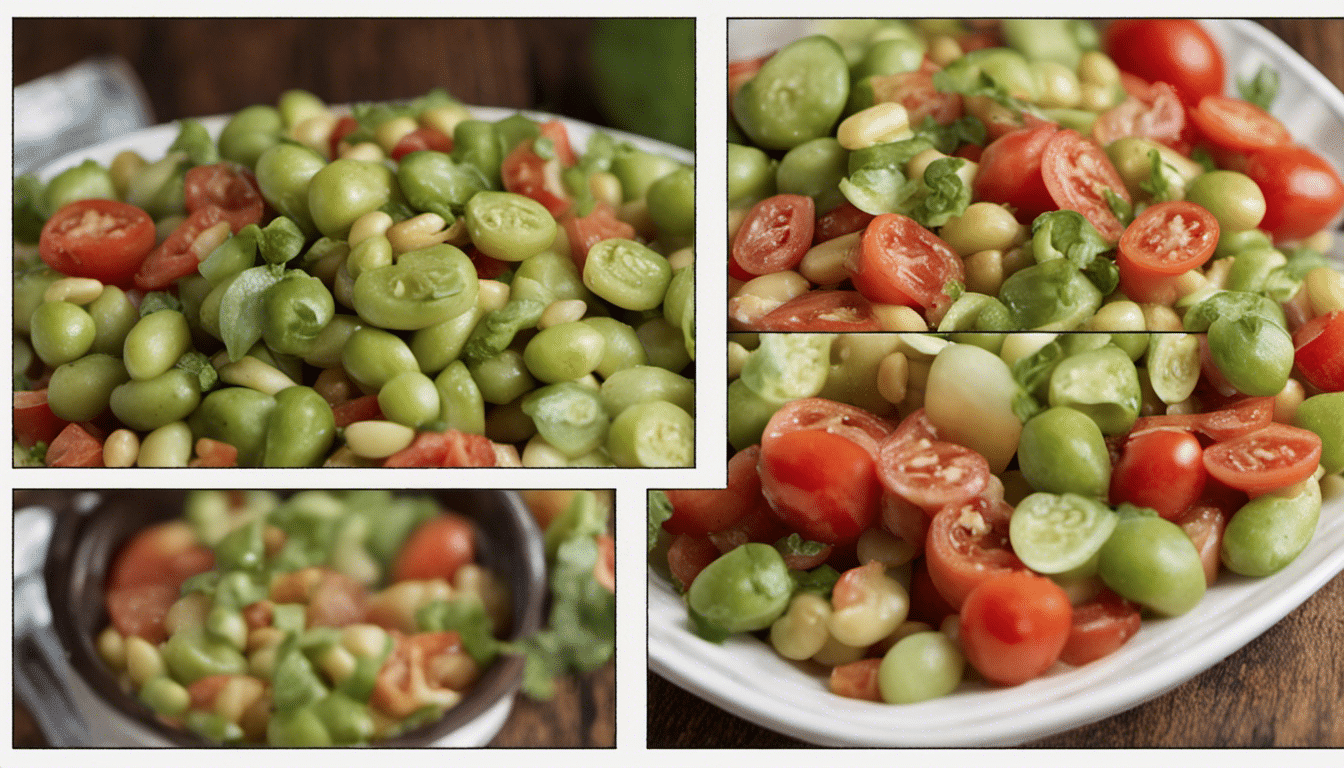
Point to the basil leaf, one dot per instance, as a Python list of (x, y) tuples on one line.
[(820, 580), (660, 511), (240, 310), (793, 544), (198, 365), (1261, 88), (158, 300), (945, 195)]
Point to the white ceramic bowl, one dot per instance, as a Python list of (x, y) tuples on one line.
[(747, 678)]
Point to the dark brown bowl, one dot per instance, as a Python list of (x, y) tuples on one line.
[(84, 543)]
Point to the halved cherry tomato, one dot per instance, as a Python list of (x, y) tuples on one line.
[(166, 553), (103, 239), (1156, 114), (775, 234), (175, 258), (699, 512), (450, 448), (915, 92), (1078, 174), (1272, 457), (436, 549), (412, 677), (75, 447), (843, 219), (1162, 470), (1204, 524), (586, 231), (1238, 125), (930, 473), (1303, 192), (1320, 351), (904, 520), (1177, 51), (231, 187), (555, 131), (813, 413), (857, 680), (1099, 628), (927, 604), (967, 544), (345, 126), (524, 172), (761, 525), (139, 610), (688, 555), (363, 408), (33, 420), (1167, 239), (822, 312), (213, 453), (1014, 626), (898, 261), (1010, 172), (422, 139), (916, 427), (820, 484), (1240, 418)]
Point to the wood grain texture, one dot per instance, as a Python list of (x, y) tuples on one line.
[(1283, 689), (194, 67)]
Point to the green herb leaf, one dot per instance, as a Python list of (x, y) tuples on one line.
[(820, 580), (793, 544), (198, 365), (466, 616), (944, 193), (660, 511), (946, 138), (1261, 88), (155, 301), (240, 310), (1157, 185)]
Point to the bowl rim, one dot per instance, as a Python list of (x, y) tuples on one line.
[(500, 680)]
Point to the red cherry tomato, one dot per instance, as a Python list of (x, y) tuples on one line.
[(345, 126), (904, 520), (688, 555), (450, 448), (416, 672), (1099, 628), (422, 139), (761, 525), (931, 474), (361, 408), (231, 187), (1320, 351), (213, 453), (139, 611), (1237, 125), (1204, 524), (1303, 193), (1241, 418), (1010, 172), (1156, 113), (739, 72), (822, 312), (586, 231), (820, 484), (898, 261), (102, 239), (857, 680), (1272, 457), (1162, 470), (524, 172), (1014, 626), (436, 549), (175, 257), (841, 220), (699, 512), (166, 553), (812, 413), (775, 234), (967, 544), (1177, 51), (33, 420), (1166, 240), (915, 91), (75, 447), (1078, 174)]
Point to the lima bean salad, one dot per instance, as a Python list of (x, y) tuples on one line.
[(341, 618), (393, 285), (906, 513), (1029, 174)]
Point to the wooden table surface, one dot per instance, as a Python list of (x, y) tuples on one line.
[(1285, 688)]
